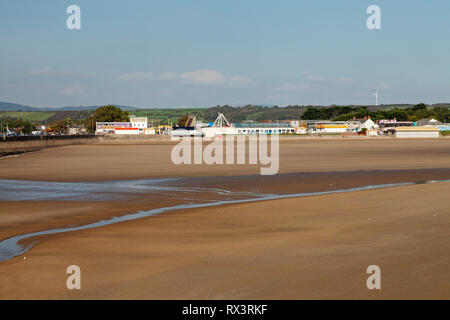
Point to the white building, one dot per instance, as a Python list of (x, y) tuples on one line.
[(327, 126), (222, 127), (109, 127), (211, 132), (295, 123), (301, 130), (434, 124), (416, 132), (369, 124), (139, 122), (126, 131), (263, 128)]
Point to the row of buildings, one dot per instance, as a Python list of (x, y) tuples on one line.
[(427, 128), (136, 125), (221, 126)]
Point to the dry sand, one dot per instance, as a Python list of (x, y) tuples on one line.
[(140, 159), (316, 247)]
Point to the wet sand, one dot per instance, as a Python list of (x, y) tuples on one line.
[(115, 199), (32, 216), (316, 247), (301, 248)]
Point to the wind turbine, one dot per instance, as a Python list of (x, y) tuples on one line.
[(376, 97)]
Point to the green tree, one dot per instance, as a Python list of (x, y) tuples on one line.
[(311, 113), (18, 125), (61, 125), (442, 114), (398, 114), (420, 106), (413, 118), (107, 113), (28, 127)]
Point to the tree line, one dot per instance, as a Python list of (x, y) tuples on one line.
[(252, 112), (413, 113)]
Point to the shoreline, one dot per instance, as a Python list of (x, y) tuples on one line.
[(22, 243), (298, 248), (259, 255), (26, 215)]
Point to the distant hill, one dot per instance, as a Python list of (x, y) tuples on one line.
[(80, 108), (233, 114), (8, 106)]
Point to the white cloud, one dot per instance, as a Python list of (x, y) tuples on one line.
[(42, 71), (168, 76), (344, 80), (138, 75), (291, 86), (74, 89), (49, 71), (198, 77), (203, 77)]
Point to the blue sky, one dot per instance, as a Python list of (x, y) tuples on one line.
[(200, 53)]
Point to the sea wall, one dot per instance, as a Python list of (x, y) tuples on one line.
[(21, 144)]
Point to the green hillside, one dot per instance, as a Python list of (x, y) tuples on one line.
[(27, 115), (171, 115), (253, 112)]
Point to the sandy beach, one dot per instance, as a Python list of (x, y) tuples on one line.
[(151, 159), (317, 247), (299, 248), (217, 159)]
